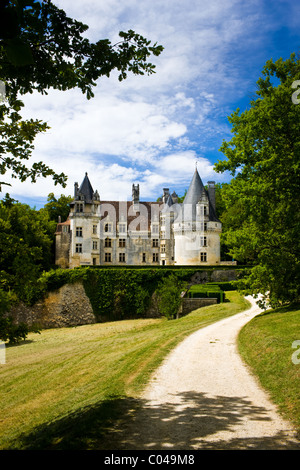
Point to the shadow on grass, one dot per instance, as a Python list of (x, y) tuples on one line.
[(122, 423)]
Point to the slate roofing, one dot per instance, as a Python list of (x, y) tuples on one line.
[(86, 189), (195, 193), (195, 190)]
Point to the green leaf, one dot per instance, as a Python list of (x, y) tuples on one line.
[(18, 52)]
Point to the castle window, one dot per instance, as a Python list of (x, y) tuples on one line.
[(94, 229), (155, 257), (205, 210), (79, 207), (108, 227), (95, 245), (107, 243), (155, 228), (203, 241), (155, 242), (203, 257), (205, 226), (107, 257), (78, 231), (78, 248), (122, 242), (122, 257), (144, 258), (122, 228), (163, 248)]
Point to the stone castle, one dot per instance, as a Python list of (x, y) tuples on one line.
[(164, 232)]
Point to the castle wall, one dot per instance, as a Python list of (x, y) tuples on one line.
[(191, 249), (67, 306)]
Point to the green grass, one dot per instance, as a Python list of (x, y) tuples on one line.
[(65, 388), (265, 344)]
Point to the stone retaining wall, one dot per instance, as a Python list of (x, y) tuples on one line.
[(67, 306), (188, 305), (70, 306)]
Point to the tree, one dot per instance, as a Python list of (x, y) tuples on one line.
[(42, 48), (169, 296), (58, 207), (263, 198), (25, 247)]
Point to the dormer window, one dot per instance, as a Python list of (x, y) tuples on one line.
[(79, 207)]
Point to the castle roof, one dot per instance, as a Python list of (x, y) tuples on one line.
[(195, 190), (86, 189)]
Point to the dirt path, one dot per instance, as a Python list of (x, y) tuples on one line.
[(203, 397)]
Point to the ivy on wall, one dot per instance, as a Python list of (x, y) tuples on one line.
[(118, 293)]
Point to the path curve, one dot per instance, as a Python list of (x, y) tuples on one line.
[(204, 397)]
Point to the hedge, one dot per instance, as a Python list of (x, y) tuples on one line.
[(206, 290), (121, 292), (113, 292)]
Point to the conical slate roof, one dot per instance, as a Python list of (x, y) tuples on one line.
[(86, 189), (195, 190)]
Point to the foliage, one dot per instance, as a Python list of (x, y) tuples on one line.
[(25, 245), (262, 225), (9, 330), (58, 207), (206, 290), (117, 293), (170, 296), (42, 48)]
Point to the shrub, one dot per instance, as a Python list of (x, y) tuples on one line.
[(206, 290), (169, 296)]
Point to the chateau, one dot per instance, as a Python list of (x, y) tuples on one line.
[(133, 232)]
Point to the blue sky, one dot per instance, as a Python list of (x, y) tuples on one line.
[(152, 129)]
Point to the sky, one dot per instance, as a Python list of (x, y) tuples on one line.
[(154, 130)]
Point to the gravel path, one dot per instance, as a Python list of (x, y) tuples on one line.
[(203, 397)]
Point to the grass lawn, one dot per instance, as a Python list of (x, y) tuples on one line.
[(266, 345), (65, 388)]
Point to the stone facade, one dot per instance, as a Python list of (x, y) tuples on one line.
[(140, 233), (189, 305)]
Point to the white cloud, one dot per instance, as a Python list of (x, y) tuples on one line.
[(152, 129)]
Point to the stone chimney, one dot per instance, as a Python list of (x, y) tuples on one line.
[(165, 195), (136, 196), (212, 193), (75, 190)]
